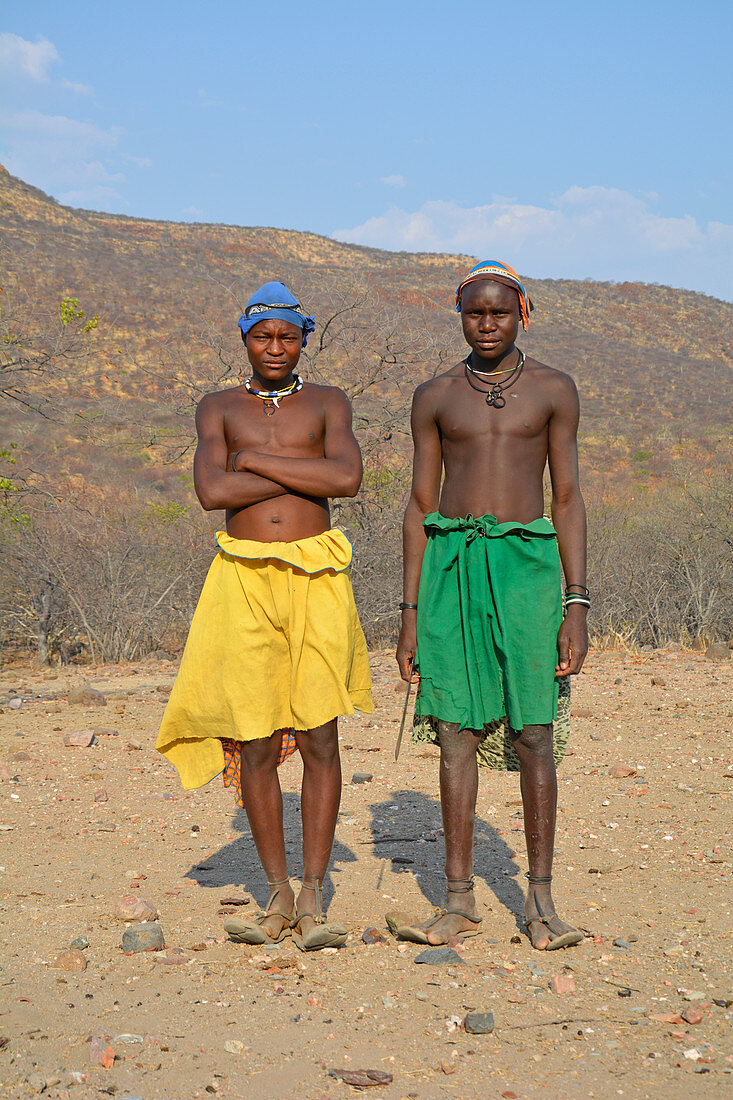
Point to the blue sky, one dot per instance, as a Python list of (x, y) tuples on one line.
[(570, 139)]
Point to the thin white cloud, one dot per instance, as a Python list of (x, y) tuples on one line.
[(80, 89), (22, 59), (31, 125), (596, 232), (394, 181), (193, 212)]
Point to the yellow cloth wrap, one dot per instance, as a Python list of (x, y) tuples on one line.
[(275, 642)]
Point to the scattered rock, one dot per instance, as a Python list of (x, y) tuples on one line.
[(71, 960), (81, 739), (479, 1023), (362, 1078), (372, 935), (176, 958), (438, 956), (81, 942), (693, 1014), (101, 795), (147, 936), (563, 983), (104, 731), (402, 860), (361, 777), (130, 907), (716, 652), (658, 681), (100, 1052), (233, 1046), (15, 703), (723, 1000), (623, 944), (133, 743), (234, 901), (621, 771), (86, 697), (582, 712), (127, 1037)]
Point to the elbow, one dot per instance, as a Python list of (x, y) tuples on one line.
[(352, 486), (207, 498)]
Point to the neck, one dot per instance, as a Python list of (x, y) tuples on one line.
[(509, 359), (269, 384)]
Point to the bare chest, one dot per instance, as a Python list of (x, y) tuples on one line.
[(465, 416), (295, 425)]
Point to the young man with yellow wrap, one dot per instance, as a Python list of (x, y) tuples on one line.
[(275, 652)]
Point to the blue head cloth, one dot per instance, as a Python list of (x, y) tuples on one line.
[(274, 300)]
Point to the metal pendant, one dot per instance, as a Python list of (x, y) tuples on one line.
[(269, 407), (494, 398)]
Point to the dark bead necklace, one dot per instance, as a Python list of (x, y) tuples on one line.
[(495, 396)]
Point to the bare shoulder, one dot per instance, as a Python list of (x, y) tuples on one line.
[(435, 388), (332, 398), (558, 385)]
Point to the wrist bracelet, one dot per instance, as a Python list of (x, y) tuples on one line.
[(582, 600), (583, 590), (407, 606), (234, 462)]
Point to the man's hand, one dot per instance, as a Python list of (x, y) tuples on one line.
[(407, 646), (572, 642)]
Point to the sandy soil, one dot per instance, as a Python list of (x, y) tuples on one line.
[(644, 859)]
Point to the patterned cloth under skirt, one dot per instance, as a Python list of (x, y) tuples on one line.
[(232, 774)]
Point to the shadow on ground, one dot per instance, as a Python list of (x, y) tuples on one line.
[(237, 865), (408, 827)]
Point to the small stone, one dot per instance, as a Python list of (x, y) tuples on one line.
[(71, 960), (130, 907), (618, 680), (101, 795), (81, 942), (372, 935), (723, 1000), (104, 731), (693, 1014), (147, 936), (582, 712), (693, 995), (81, 739), (128, 1038), (623, 944), (86, 697), (234, 901), (389, 1002), (101, 1053), (15, 703), (420, 996), (117, 696), (479, 1023), (133, 743), (403, 860), (174, 959), (621, 771), (438, 956), (361, 777), (658, 681), (563, 983), (718, 652)]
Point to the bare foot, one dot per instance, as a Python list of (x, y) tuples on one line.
[(281, 904), (546, 931), (456, 921)]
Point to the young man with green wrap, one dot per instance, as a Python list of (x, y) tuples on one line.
[(482, 616)]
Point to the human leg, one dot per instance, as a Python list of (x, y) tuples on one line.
[(538, 783), (319, 804), (263, 805), (458, 791)]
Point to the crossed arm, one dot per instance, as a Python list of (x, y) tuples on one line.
[(260, 476)]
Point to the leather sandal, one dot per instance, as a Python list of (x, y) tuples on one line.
[(324, 934), (250, 930), (569, 937), (402, 928)]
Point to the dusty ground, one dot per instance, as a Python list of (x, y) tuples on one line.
[(645, 859)]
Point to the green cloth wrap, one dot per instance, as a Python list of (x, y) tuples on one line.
[(489, 609)]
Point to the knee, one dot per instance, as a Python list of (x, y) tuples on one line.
[(534, 742), (457, 748), (260, 755), (319, 748)]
